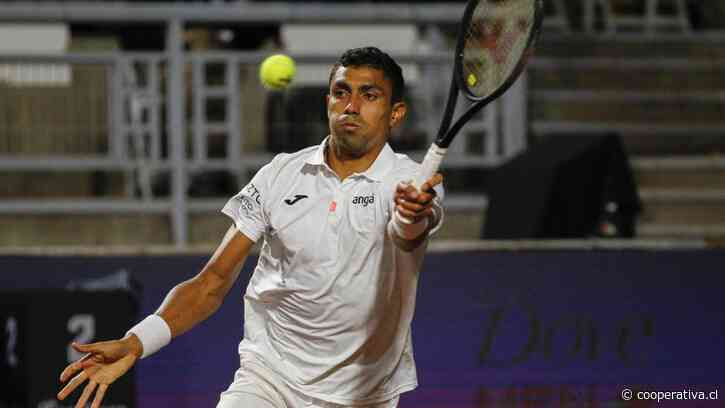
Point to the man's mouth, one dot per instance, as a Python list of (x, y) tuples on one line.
[(350, 125)]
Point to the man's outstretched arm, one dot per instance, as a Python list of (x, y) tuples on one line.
[(194, 300), (186, 305)]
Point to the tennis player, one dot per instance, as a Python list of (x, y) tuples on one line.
[(329, 306)]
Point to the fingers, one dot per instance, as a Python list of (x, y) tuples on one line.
[(406, 190), (84, 348), (97, 349), (96, 353), (84, 362), (413, 211), (411, 195), (409, 205), (95, 361), (432, 182), (413, 216), (413, 204), (422, 195), (87, 391), (71, 369), (91, 360), (99, 396), (86, 394), (72, 385)]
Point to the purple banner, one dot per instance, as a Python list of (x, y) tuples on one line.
[(525, 328)]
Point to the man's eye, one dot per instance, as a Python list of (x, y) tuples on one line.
[(371, 96), (339, 93)]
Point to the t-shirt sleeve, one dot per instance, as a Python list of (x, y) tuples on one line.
[(247, 208)]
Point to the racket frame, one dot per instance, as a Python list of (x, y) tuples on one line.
[(446, 133)]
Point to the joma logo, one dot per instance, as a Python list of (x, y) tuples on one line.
[(364, 200)]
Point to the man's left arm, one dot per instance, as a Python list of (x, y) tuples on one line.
[(422, 207)]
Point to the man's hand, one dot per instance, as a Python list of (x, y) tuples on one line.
[(417, 205), (103, 364)]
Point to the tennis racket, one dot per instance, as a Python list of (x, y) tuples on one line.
[(496, 38)]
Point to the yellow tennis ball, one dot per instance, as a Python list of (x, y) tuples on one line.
[(277, 71), (472, 80)]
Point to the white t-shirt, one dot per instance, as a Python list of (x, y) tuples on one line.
[(331, 300)]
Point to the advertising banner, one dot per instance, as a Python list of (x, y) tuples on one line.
[(492, 328)]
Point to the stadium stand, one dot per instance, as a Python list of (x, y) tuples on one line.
[(112, 145)]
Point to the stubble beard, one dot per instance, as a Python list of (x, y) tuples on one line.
[(348, 145)]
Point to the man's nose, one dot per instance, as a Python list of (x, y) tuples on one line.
[(353, 105)]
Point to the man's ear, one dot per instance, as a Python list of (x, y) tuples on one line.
[(400, 109)]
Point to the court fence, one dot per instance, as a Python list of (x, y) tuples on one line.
[(175, 114), (148, 115)]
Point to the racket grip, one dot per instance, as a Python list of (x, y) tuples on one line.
[(428, 168), (430, 165)]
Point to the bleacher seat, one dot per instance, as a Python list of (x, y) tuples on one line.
[(650, 19)]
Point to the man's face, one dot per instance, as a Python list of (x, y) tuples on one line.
[(359, 110)]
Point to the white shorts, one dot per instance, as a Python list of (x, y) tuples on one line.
[(256, 386)]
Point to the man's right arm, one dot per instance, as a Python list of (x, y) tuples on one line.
[(194, 300), (186, 305)]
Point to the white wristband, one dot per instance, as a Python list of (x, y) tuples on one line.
[(405, 230), (153, 332)]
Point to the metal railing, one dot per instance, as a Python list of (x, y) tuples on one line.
[(650, 21), (154, 117), (143, 88), (147, 130), (242, 12)]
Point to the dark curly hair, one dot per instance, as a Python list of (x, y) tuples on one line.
[(374, 58)]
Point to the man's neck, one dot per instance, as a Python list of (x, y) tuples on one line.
[(346, 166)]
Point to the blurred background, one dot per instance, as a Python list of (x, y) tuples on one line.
[(131, 123), (585, 208)]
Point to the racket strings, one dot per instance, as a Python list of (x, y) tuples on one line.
[(495, 39)]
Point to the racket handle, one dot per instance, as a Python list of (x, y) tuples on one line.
[(428, 168), (430, 165)]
